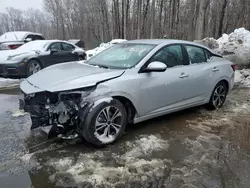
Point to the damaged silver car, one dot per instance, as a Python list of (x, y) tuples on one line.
[(128, 83)]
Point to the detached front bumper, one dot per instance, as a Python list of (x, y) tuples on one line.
[(16, 69)]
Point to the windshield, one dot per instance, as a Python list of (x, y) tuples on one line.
[(34, 45), (121, 56)]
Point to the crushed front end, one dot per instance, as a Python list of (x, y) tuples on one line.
[(59, 111)]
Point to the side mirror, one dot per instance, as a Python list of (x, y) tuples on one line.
[(156, 66), (52, 51), (28, 40)]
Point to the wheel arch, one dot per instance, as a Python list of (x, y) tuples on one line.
[(37, 59), (226, 83), (222, 79), (129, 106)]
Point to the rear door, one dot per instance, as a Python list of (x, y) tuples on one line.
[(52, 58), (68, 52), (201, 73)]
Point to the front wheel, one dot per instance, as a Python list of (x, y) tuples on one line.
[(33, 67), (105, 123), (218, 97)]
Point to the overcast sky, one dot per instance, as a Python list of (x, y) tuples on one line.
[(20, 4)]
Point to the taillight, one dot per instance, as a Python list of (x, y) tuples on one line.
[(233, 67), (12, 47)]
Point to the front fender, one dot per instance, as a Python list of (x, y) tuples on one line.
[(103, 92)]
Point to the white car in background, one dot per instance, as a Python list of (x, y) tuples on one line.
[(15, 39), (103, 46)]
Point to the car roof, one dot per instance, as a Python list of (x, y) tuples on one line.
[(16, 35), (53, 40), (23, 33), (165, 42)]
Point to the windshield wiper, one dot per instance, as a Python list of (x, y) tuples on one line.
[(103, 66)]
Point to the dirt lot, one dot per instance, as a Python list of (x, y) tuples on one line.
[(192, 148)]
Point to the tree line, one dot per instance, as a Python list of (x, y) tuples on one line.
[(96, 21)]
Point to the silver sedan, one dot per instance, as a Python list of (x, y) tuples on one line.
[(128, 83)]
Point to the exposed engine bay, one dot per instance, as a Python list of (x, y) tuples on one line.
[(60, 111)]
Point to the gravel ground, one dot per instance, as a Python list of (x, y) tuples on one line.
[(191, 148)]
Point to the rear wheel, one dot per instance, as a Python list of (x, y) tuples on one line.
[(218, 97), (80, 58), (33, 67), (105, 123)]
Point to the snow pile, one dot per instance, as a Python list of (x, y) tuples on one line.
[(103, 46), (105, 168), (234, 46), (237, 43), (209, 42), (145, 146), (4, 83), (18, 113), (26, 157), (243, 77)]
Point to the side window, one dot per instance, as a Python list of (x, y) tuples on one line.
[(196, 54), (67, 47), (170, 55), (55, 46), (29, 37), (38, 37)]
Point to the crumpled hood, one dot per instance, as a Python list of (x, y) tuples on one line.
[(6, 54), (69, 76)]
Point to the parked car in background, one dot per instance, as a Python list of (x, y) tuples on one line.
[(13, 40), (36, 55), (77, 42), (103, 46), (130, 82)]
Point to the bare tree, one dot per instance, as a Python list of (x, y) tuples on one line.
[(152, 19), (96, 21)]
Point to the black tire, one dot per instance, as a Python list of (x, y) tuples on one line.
[(212, 105), (81, 57), (89, 125), (32, 62)]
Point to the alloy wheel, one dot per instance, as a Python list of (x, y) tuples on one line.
[(108, 124), (219, 96), (34, 67)]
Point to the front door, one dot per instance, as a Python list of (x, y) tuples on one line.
[(53, 55), (163, 90)]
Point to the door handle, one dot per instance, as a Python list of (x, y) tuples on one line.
[(183, 75), (215, 69)]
